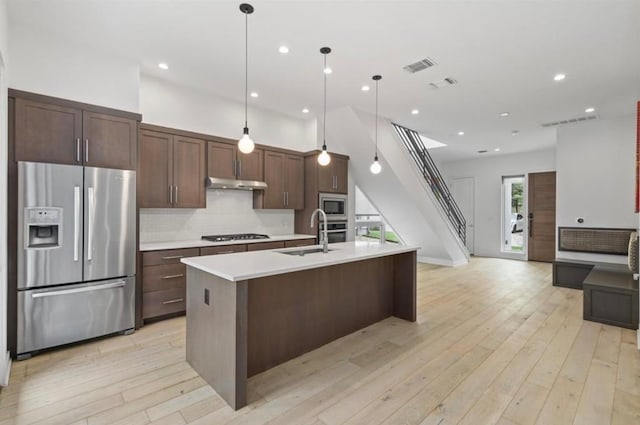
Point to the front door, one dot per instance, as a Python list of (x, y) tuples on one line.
[(542, 216)]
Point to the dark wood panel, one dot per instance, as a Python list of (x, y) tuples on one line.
[(47, 133), (221, 160), (225, 249), (299, 242), (261, 246), (189, 173), (404, 288), (294, 182), (159, 303), (165, 276), (294, 313), (273, 195), (169, 256), (326, 181), (155, 172), (251, 166), (109, 142), (542, 216), (341, 173)]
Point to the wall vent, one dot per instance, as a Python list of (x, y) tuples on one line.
[(569, 121), (443, 83), (419, 66)]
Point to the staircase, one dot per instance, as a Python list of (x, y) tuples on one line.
[(409, 192)]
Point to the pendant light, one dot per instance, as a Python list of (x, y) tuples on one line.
[(324, 158), (375, 166), (245, 144)]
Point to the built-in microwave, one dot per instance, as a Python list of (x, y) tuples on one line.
[(334, 206)]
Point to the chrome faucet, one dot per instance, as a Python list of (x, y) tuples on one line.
[(325, 239)]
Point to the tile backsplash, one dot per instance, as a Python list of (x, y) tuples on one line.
[(228, 211)]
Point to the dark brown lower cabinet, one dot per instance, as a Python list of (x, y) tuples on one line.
[(260, 246)]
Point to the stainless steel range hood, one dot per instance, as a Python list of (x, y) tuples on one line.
[(219, 183)]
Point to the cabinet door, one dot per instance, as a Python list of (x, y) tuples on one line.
[(250, 166), (109, 142), (274, 163), (222, 160), (326, 178), (188, 172), (294, 182), (341, 173), (155, 175), (47, 133)]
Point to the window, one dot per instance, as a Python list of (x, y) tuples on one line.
[(513, 221)]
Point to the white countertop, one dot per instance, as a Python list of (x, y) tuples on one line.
[(251, 265), (199, 243)]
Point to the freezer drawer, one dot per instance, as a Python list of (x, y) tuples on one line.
[(70, 313)]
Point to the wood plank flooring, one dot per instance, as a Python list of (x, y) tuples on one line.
[(495, 343)]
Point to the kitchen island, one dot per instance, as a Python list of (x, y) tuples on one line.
[(248, 312)]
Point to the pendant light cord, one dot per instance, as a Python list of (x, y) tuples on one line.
[(324, 117), (376, 119), (246, 65)]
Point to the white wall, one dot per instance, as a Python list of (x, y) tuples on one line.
[(4, 62), (596, 177), (228, 211), (487, 173), (60, 68)]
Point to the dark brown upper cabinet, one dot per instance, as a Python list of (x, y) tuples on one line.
[(60, 133), (333, 178), (284, 175), (227, 162), (172, 171)]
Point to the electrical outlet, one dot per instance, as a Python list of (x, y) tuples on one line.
[(206, 296)]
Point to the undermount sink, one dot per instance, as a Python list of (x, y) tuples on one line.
[(302, 252)]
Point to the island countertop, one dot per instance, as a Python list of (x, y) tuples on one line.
[(251, 265)]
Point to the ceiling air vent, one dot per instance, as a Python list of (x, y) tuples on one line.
[(482, 151), (569, 121), (443, 83), (419, 66)]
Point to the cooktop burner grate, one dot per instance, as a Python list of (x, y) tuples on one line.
[(237, 237)]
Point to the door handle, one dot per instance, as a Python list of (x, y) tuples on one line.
[(173, 276), (113, 285), (86, 150), (90, 214), (530, 225), (76, 223), (78, 149)]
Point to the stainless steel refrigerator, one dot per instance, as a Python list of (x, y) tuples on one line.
[(76, 254)]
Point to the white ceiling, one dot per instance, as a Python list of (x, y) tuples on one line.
[(503, 53)]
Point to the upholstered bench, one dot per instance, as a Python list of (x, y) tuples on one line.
[(611, 297)]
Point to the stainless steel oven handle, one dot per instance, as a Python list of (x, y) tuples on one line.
[(112, 285), (90, 215), (76, 223)]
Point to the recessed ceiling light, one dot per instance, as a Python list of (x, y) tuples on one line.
[(305, 110), (504, 114), (365, 88), (254, 94), (415, 112), (460, 133), (328, 70), (590, 110), (284, 50), (163, 65), (559, 77), (515, 132), (496, 150)]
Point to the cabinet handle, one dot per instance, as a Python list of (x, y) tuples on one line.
[(234, 164), (173, 276), (173, 257), (78, 149), (224, 252), (176, 194), (86, 150), (177, 300), (239, 168), (170, 195)]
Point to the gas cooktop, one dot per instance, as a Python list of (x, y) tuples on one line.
[(238, 237)]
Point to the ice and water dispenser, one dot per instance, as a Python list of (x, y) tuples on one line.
[(43, 227)]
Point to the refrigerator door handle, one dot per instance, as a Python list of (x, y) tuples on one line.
[(76, 223), (90, 214), (113, 285)]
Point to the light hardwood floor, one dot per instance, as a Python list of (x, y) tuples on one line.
[(495, 343)]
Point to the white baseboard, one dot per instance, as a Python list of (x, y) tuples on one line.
[(5, 369), (442, 261)]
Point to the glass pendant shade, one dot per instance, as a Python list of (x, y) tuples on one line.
[(245, 144), (324, 158), (375, 167)]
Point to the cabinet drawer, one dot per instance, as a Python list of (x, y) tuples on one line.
[(225, 249), (159, 303), (171, 256), (299, 242), (265, 245), (166, 276)]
